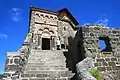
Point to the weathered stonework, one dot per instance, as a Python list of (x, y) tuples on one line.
[(54, 50), (85, 44), (38, 58)]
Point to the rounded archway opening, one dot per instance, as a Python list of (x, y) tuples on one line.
[(104, 44)]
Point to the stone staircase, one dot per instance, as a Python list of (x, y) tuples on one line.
[(46, 65)]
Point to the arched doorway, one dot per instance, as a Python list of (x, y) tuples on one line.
[(45, 44), (46, 38)]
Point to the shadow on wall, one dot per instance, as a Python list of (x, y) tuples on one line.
[(69, 58), (75, 52), (68, 55)]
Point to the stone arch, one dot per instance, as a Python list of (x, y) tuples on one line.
[(55, 18), (106, 39), (45, 34), (16, 60), (40, 31), (46, 16), (51, 33), (46, 29), (37, 15), (51, 17), (41, 15)]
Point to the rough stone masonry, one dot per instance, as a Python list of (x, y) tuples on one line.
[(39, 58)]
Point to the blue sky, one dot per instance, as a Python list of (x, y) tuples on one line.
[(14, 15)]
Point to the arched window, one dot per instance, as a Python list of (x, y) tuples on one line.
[(37, 14), (46, 16), (11, 61), (51, 17), (64, 28), (41, 15), (55, 17), (16, 61)]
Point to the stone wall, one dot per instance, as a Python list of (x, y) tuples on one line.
[(87, 37), (13, 64), (91, 36), (107, 63), (85, 44)]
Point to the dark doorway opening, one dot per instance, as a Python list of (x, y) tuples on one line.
[(45, 44), (62, 46), (105, 45)]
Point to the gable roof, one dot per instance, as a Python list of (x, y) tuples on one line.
[(68, 14)]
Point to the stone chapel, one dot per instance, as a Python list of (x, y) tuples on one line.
[(41, 55)]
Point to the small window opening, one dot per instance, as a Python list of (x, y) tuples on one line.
[(37, 14), (42, 15), (11, 61), (55, 17), (104, 43), (51, 17), (46, 16), (64, 28), (16, 61)]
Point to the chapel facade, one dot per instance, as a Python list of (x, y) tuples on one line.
[(47, 27), (44, 45)]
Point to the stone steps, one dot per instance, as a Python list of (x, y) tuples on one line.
[(40, 58), (45, 53), (46, 60), (45, 68), (47, 74), (64, 78), (47, 71), (46, 65)]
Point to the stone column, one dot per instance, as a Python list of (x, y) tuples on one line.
[(35, 41), (13, 61), (39, 42), (53, 43), (55, 39)]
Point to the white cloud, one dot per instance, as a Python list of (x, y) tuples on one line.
[(3, 36), (16, 14), (103, 21)]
